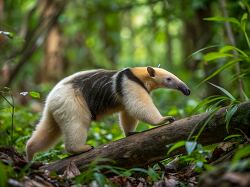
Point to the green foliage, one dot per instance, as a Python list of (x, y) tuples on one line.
[(241, 24), (104, 131), (230, 54), (94, 172), (176, 146), (241, 153), (11, 105), (232, 136), (5, 173), (34, 94), (230, 112), (196, 154)]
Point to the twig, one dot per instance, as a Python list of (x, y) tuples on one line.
[(223, 158), (244, 134)]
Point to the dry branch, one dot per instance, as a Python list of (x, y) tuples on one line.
[(149, 146)]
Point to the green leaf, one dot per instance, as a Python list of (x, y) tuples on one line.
[(176, 146), (245, 96), (243, 22), (100, 179), (34, 94), (229, 115), (224, 91), (153, 175), (241, 153), (247, 39), (232, 136), (232, 48), (3, 175), (139, 170), (223, 19), (202, 49), (190, 146), (216, 55), (207, 101), (210, 116), (225, 66)]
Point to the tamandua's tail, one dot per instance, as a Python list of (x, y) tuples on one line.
[(46, 134)]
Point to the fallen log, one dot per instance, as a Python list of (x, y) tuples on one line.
[(149, 146)]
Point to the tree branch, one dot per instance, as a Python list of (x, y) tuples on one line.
[(148, 147)]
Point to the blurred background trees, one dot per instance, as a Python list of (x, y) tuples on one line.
[(55, 38), (47, 40)]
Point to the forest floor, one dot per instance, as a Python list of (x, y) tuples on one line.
[(173, 173)]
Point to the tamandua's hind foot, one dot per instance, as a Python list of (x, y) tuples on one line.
[(78, 150), (167, 119)]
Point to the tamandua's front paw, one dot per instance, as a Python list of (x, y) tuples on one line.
[(131, 133), (167, 119), (171, 119)]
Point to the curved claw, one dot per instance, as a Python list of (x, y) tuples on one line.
[(167, 119), (171, 119), (131, 133)]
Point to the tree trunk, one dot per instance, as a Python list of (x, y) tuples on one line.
[(53, 63), (149, 146), (48, 17), (1, 10), (198, 34)]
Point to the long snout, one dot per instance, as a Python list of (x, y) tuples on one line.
[(184, 89)]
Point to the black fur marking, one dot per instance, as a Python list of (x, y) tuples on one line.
[(97, 89), (128, 73), (118, 83)]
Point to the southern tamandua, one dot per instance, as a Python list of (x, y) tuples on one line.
[(89, 95)]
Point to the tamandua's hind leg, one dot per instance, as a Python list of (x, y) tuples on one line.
[(74, 122), (46, 135), (75, 138), (127, 123), (75, 134)]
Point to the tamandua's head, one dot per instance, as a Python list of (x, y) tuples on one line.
[(161, 78)]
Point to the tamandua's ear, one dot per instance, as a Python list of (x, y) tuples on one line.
[(151, 71)]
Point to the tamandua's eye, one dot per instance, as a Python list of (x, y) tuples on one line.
[(169, 79)]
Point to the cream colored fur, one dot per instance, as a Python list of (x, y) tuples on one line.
[(141, 106), (66, 112)]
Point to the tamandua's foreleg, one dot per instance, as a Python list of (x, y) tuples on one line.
[(127, 123), (140, 106)]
